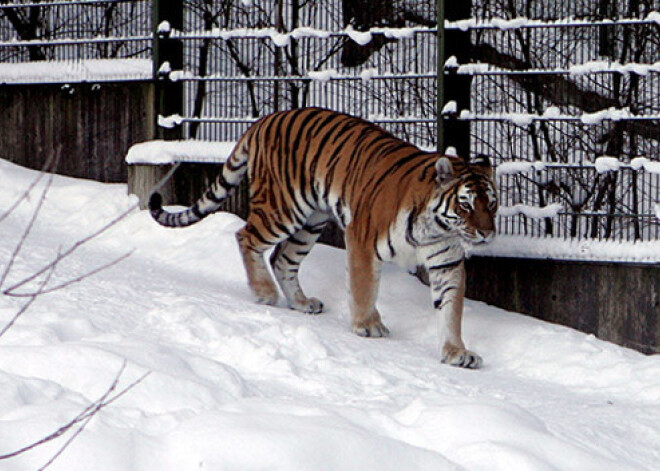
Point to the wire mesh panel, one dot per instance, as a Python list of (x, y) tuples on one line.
[(566, 99), (72, 31), (244, 60)]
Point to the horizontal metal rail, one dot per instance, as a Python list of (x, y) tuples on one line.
[(66, 3), (477, 71), (298, 33), (505, 24), (522, 119), (221, 120), (72, 41), (177, 76)]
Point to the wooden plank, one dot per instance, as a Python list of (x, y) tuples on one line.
[(90, 127)]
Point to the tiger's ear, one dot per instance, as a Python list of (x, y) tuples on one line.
[(443, 169), (482, 161)]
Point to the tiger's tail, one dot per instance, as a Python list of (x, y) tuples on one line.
[(229, 177)]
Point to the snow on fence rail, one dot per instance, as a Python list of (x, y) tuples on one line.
[(66, 3), (282, 39), (503, 24), (589, 67)]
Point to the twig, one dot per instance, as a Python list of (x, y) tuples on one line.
[(51, 162), (82, 418), (69, 251), (71, 281), (25, 306), (26, 232)]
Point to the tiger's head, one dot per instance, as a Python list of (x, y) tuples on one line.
[(465, 198)]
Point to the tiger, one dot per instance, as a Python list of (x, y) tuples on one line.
[(394, 202)]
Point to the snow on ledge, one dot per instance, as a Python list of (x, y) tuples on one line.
[(168, 152), (91, 70), (516, 246)]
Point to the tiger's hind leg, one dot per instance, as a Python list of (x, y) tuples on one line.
[(285, 261), (253, 245)]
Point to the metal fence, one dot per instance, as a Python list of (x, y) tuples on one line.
[(245, 60), (564, 96), (74, 30)]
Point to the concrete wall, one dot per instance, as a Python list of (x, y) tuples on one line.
[(88, 127), (615, 302)]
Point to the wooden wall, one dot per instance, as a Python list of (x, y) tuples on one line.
[(87, 127), (619, 302)]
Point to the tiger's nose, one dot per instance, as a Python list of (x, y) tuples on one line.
[(485, 234)]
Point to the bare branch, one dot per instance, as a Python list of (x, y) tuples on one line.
[(82, 418), (25, 306), (71, 281), (62, 255)]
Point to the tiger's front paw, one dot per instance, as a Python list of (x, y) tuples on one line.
[(308, 306), (461, 357), (371, 329)]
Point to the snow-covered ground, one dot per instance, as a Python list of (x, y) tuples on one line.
[(239, 386)]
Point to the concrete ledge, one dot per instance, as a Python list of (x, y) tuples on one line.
[(618, 302)]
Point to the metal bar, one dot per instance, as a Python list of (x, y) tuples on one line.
[(270, 33), (501, 72), (71, 41), (502, 24), (525, 117), (290, 78), (440, 134), (68, 3), (220, 120)]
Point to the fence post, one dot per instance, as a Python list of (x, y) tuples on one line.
[(169, 95), (440, 77), (455, 87), (167, 99)]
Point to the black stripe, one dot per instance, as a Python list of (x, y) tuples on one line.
[(223, 182), (315, 229), (446, 266), (294, 240), (253, 230), (289, 261), (441, 224), (441, 251), (195, 210), (210, 195)]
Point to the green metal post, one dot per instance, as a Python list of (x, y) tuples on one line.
[(169, 95), (441, 76)]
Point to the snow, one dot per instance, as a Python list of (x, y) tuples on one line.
[(450, 108), (534, 212), (559, 249), (607, 164), (161, 152), (613, 114), (522, 22), (322, 75), (170, 121), (89, 70), (236, 385), (519, 166), (164, 28), (553, 114), (283, 38), (360, 37), (651, 166)]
